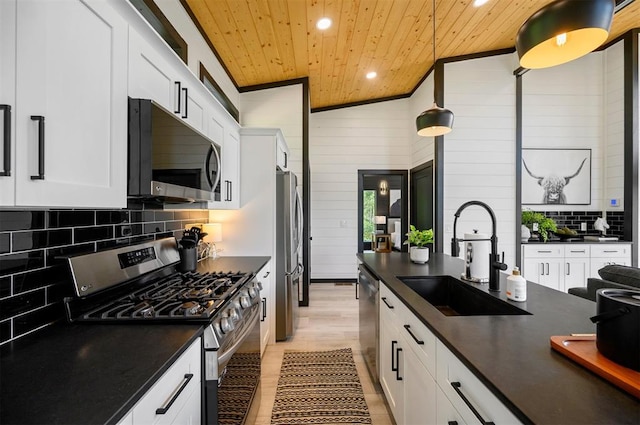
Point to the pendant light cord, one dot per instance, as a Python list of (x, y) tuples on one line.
[(433, 16)]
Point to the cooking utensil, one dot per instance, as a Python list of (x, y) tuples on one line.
[(618, 326)]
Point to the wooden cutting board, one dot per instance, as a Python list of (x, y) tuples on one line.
[(583, 350)]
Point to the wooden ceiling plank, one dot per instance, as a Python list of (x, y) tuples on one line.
[(297, 10), (237, 56)]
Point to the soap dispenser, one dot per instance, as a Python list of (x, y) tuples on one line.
[(516, 286)]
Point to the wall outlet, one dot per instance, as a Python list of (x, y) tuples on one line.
[(583, 227), (535, 227), (343, 223)]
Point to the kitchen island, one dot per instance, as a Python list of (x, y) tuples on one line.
[(90, 373), (511, 355)]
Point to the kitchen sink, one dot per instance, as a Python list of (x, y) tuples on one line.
[(453, 297)]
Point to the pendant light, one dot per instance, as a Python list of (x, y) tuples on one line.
[(562, 31), (435, 121)]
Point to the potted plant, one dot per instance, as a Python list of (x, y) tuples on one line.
[(545, 224), (418, 241)]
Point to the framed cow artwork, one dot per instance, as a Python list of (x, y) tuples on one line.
[(556, 176)]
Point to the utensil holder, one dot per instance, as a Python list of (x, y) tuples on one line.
[(188, 259)]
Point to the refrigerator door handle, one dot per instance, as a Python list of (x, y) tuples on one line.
[(300, 222)]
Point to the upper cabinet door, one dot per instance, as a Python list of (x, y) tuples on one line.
[(7, 101), (71, 113)]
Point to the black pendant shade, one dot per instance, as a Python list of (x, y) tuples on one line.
[(563, 31), (435, 121)]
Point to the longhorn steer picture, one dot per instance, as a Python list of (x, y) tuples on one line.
[(554, 183)]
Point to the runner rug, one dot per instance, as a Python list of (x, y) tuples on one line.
[(319, 387)]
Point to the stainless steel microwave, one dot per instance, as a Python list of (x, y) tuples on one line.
[(170, 161)]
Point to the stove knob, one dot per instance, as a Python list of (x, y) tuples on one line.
[(234, 314), (226, 324), (258, 284), (252, 292), (245, 301), (217, 328)]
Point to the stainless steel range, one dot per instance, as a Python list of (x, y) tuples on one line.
[(140, 284)]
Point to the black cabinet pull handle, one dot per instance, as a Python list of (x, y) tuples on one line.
[(186, 102), (452, 423), (177, 109), (264, 309), (267, 274), (457, 387), (393, 351), (7, 141), (418, 341), (40, 120), (185, 381), (384, 300), (398, 351)]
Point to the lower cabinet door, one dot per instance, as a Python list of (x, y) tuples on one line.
[(390, 378), (419, 391)]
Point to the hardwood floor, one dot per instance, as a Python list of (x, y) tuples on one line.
[(330, 322)]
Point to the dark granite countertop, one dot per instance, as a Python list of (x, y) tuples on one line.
[(512, 355), (93, 373)]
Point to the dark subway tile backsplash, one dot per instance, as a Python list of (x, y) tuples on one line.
[(21, 220), (23, 241), (34, 245)]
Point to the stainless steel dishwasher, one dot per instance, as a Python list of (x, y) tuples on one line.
[(368, 317)]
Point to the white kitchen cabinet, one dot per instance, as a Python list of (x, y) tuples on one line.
[(7, 101), (154, 74), (225, 131), (176, 397), (446, 413), (69, 103), (563, 266), (464, 390), (408, 385), (265, 276), (607, 254)]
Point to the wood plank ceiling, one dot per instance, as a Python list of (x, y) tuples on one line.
[(267, 41)]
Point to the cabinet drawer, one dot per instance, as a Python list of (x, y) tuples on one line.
[(450, 371), (168, 387), (611, 251), (577, 251), (390, 305), (445, 412), (546, 251), (421, 340)]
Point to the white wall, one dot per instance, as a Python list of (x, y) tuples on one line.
[(279, 107), (198, 50), (614, 126), (479, 154), (343, 141), (563, 109)]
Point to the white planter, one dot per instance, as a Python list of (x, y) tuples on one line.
[(419, 254)]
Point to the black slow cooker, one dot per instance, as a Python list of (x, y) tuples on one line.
[(618, 326)]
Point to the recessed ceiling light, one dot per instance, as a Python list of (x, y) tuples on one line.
[(478, 3), (372, 74), (323, 23)]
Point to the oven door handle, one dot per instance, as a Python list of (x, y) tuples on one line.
[(226, 356)]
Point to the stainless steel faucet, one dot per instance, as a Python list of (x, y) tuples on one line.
[(495, 264)]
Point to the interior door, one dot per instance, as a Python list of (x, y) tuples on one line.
[(421, 214)]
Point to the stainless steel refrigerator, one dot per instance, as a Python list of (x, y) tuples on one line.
[(288, 253)]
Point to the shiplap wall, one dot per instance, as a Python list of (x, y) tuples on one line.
[(279, 107), (373, 136), (614, 126), (479, 154), (563, 109), (198, 49)]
